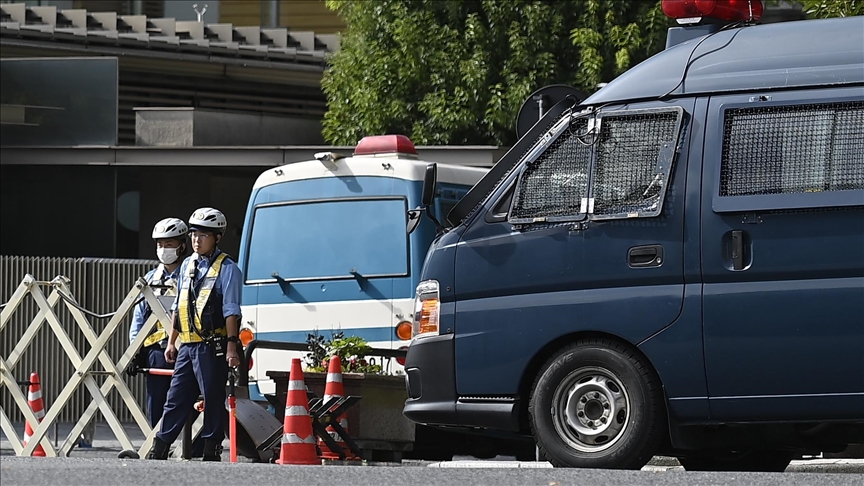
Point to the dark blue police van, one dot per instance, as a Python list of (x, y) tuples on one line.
[(673, 266)]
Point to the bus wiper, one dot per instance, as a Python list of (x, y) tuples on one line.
[(283, 284), (361, 280)]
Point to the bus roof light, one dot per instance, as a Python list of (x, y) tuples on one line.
[(385, 144), (693, 11)]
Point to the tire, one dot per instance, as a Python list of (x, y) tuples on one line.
[(756, 461), (597, 404), (128, 454)]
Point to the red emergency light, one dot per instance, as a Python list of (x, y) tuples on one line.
[(385, 144), (729, 10)]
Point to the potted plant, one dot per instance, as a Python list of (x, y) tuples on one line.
[(376, 423)]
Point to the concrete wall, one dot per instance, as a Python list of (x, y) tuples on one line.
[(194, 127)]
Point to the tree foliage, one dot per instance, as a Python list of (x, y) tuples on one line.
[(820, 9), (613, 36), (457, 71)]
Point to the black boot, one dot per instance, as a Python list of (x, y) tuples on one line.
[(212, 450), (159, 450)]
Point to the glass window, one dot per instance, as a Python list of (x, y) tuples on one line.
[(620, 170), (793, 149), (553, 187), (329, 239), (634, 159)]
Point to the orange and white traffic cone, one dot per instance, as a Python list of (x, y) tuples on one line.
[(334, 388), (298, 440), (34, 399)]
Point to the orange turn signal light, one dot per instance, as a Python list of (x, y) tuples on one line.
[(404, 330), (429, 316), (246, 336)]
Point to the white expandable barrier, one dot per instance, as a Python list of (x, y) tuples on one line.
[(84, 366)]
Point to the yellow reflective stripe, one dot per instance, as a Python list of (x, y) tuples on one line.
[(159, 334), (186, 333)]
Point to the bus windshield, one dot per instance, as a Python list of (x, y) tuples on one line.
[(329, 239)]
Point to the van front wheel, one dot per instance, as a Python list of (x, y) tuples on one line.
[(596, 404)]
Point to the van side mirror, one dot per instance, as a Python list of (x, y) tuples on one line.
[(414, 216), (430, 182)]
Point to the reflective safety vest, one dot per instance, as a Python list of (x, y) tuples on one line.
[(161, 277), (207, 323)]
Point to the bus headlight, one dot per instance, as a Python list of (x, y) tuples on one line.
[(426, 307)]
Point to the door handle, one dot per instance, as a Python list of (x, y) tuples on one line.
[(737, 250), (645, 256)]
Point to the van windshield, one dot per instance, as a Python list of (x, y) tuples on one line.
[(329, 239)]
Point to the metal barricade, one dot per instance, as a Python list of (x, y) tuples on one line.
[(85, 367)]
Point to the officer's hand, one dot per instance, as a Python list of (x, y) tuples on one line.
[(231, 355), (170, 353)]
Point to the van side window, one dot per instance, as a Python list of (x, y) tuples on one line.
[(618, 169), (633, 163), (553, 187), (793, 149)]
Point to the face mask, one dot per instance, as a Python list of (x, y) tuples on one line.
[(168, 255)]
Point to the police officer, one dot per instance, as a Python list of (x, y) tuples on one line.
[(206, 316), (170, 237)]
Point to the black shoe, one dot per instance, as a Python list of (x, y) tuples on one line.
[(159, 450), (212, 450)]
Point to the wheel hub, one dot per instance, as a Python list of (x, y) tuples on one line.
[(591, 409)]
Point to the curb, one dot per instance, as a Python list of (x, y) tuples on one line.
[(803, 466)]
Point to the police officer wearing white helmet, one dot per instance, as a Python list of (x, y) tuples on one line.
[(206, 318), (170, 237)]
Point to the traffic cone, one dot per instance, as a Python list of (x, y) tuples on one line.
[(34, 399), (335, 388), (298, 440)]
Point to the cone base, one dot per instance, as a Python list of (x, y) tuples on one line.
[(311, 462), (298, 456)]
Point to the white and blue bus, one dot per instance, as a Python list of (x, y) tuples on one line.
[(325, 247)]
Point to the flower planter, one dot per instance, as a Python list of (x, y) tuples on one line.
[(376, 422)]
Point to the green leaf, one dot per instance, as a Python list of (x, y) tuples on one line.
[(449, 71)]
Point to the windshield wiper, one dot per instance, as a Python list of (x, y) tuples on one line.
[(361, 280), (283, 284)]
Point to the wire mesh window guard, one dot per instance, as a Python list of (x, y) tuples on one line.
[(552, 187), (628, 177), (793, 149), (633, 163)]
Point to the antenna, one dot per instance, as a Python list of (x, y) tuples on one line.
[(201, 13)]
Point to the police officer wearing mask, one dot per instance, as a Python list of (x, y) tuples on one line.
[(206, 317), (170, 237)]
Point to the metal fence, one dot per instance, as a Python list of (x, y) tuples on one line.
[(99, 285)]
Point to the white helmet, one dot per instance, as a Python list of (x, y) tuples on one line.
[(208, 219), (170, 228)]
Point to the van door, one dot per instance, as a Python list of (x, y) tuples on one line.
[(783, 265), (534, 271)]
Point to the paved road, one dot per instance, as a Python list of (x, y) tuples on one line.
[(26, 471), (98, 465)]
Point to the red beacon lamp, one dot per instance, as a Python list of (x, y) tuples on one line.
[(694, 11), (704, 17), (386, 145)]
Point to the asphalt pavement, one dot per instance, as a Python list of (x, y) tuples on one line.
[(28, 471), (98, 465)]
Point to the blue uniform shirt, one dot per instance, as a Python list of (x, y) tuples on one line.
[(228, 284), (143, 308)]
